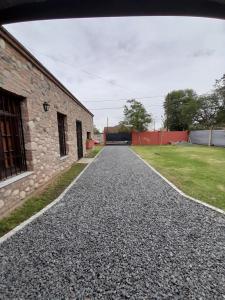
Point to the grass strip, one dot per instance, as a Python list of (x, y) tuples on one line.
[(35, 203), (92, 153)]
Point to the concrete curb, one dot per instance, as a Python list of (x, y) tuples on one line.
[(26, 222), (176, 189)]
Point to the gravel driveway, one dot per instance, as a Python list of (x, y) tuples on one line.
[(120, 232)]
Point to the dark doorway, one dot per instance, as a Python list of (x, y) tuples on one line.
[(120, 138), (79, 139)]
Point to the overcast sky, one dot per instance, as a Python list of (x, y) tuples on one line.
[(109, 59)]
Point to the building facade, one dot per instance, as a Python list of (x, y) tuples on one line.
[(43, 127)]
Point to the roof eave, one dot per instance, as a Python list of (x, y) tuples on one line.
[(23, 51)]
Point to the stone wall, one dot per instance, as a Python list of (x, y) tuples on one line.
[(23, 76)]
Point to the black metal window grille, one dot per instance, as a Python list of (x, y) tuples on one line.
[(12, 150), (62, 134)]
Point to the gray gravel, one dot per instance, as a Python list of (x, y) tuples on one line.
[(120, 232)]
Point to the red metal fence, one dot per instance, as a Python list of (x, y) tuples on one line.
[(158, 137)]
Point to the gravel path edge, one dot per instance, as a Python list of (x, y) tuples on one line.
[(176, 188), (43, 210)]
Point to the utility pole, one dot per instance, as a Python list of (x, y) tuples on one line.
[(106, 131)]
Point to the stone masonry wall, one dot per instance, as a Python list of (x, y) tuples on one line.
[(22, 77)]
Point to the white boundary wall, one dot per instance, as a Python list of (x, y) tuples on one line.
[(206, 137)]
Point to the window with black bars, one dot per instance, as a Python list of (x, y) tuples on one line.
[(12, 150), (62, 134)]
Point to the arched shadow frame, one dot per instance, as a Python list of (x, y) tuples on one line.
[(26, 10)]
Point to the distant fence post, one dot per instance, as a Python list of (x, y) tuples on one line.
[(210, 137)]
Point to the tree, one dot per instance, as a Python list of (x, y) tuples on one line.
[(220, 87), (96, 130), (180, 108), (136, 115), (122, 127), (220, 92), (208, 108)]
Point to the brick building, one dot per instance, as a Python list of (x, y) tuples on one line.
[(43, 127)]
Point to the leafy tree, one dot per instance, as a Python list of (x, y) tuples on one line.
[(122, 127), (221, 115), (136, 115), (220, 91), (208, 108), (180, 108), (185, 110), (220, 87), (96, 130)]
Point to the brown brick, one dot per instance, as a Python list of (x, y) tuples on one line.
[(19, 75)]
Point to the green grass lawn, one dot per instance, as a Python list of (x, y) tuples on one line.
[(199, 171), (39, 201)]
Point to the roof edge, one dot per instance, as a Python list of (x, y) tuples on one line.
[(27, 54)]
